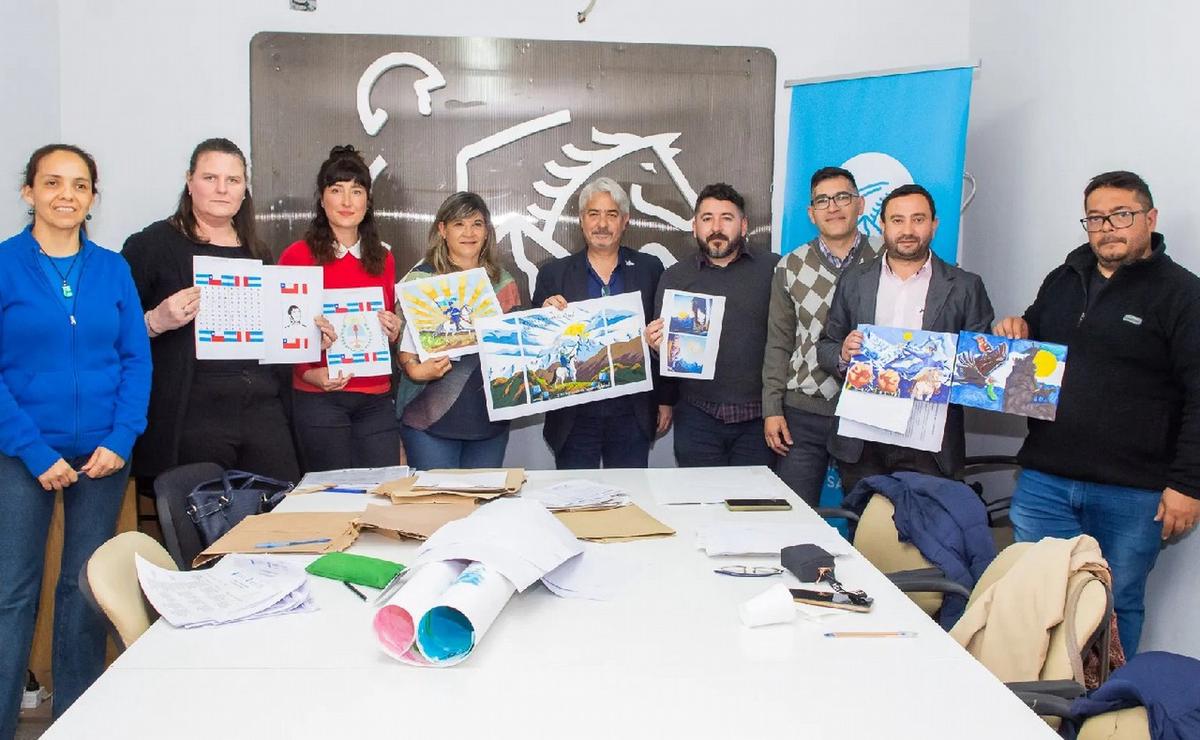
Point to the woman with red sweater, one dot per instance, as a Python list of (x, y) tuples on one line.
[(345, 421)]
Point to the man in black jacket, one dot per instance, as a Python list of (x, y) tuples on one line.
[(615, 431), (1121, 460)]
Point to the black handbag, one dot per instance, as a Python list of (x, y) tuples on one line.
[(215, 506)]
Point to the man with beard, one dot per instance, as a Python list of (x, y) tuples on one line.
[(798, 396), (1121, 460), (719, 421), (907, 287), (615, 431)]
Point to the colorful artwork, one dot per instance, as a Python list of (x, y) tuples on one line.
[(544, 359), (440, 311), (1014, 376), (691, 334), (903, 363), (229, 325)]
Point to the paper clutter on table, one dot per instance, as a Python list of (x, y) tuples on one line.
[(238, 588), (613, 525), (578, 494), (773, 606), (279, 532), (417, 521), (478, 484)]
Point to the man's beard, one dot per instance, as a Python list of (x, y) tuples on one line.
[(717, 246), (921, 251)]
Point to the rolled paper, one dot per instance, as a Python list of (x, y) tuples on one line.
[(451, 630), (395, 623)]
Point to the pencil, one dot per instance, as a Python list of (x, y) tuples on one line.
[(357, 593), (898, 633)]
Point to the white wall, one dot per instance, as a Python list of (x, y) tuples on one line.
[(29, 67), (144, 80), (1067, 90)]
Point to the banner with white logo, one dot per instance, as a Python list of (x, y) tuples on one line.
[(889, 131)]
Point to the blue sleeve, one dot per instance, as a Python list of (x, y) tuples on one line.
[(133, 350), (19, 435)]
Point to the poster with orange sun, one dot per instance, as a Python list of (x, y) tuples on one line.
[(1012, 376), (440, 311), (903, 363)]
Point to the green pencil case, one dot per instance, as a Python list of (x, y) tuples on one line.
[(360, 569)]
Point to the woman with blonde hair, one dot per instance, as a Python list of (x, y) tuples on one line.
[(444, 422)]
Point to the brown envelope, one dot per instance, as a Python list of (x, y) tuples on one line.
[(417, 519), (402, 491), (338, 526), (613, 525)]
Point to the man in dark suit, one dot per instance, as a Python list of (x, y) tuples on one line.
[(906, 287), (615, 431)]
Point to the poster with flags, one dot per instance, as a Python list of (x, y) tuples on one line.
[(889, 130)]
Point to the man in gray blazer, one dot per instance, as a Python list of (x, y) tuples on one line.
[(907, 287)]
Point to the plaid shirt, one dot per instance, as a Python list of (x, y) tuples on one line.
[(836, 261), (730, 413)]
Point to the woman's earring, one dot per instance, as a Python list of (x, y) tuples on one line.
[(30, 211), (88, 217)]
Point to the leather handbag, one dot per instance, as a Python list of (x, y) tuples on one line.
[(215, 506)]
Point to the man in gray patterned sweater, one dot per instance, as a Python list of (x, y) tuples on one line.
[(798, 397)]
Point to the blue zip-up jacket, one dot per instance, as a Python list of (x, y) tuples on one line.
[(942, 518), (1166, 684), (68, 387)]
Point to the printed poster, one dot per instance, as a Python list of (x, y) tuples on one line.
[(440, 311), (361, 347), (903, 363), (1013, 376), (229, 325), (292, 300), (691, 334), (545, 359)]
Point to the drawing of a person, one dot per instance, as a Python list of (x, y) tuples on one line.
[(295, 317), (454, 313), (700, 315)]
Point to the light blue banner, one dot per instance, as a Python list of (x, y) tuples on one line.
[(888, 131)]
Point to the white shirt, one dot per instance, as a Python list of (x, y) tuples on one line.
[(899, 302)]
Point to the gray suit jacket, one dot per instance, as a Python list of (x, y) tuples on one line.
[(956, 301)]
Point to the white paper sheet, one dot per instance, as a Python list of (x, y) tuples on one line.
[(885, 412), (292, 299), (926, 427), (711, 486), (440, 312), (766, 538), (545, 359), (517, 537), (476, 596), (597, 573), (239, 587), (229, 325), (577, 493), (364, 478), (691, 334), (361, 346), (489, 481)]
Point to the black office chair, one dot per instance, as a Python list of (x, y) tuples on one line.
[(171, 489)]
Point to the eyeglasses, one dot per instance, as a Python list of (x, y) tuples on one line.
[(748, 571), (842, 199), (1117, 220)]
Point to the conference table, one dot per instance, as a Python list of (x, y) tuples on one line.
[(666, 657)]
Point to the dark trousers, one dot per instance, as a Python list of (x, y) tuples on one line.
[(614, 441), (881, 459), (236, 420), (804, 466), (346, 430), (704, 441)]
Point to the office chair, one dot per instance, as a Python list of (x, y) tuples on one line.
[(109, 583), (171, 490)]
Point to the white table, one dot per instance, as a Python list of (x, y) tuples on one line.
[(667, 658)]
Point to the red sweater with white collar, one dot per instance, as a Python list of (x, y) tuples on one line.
[(346, 272)]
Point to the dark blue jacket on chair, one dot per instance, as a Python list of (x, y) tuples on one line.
[(942, 518), (1166, 684)]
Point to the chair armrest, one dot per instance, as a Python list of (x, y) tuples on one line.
[(1063, 689), (927, 579), (1048, 705), (837, 514), (991, 461)]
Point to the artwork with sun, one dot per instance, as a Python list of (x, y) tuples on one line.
[(1012, 376), (440, 311), (903, 363)]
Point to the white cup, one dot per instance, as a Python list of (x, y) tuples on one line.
[(773, 606)]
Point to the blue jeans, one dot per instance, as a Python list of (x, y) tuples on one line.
[(1122, 521), (90, 518), (704, 441), (427, 451), (611, 441)]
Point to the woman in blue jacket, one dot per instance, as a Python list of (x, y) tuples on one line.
[(74, 384)]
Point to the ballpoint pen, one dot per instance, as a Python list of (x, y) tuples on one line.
[(291, 543), (894, 633), (357, 593), (344, 489)]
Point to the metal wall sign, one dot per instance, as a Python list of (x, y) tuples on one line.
[(523, 123)]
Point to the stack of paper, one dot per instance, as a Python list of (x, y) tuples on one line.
[(766, 539), (596, 573), (439, 480), (578, 494), (238, 588), (350, 480)]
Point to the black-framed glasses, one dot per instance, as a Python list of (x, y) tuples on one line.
[(748, 571), (842, 199), (1116, 219)]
